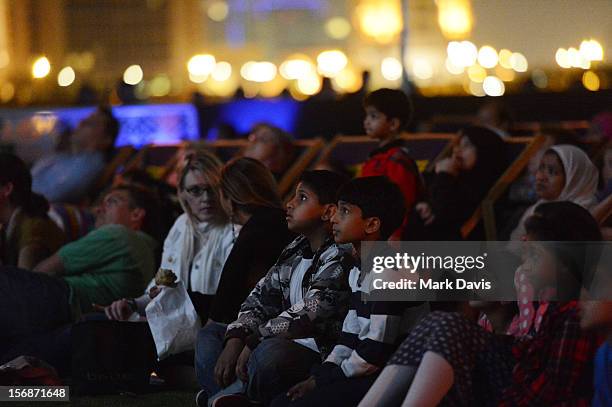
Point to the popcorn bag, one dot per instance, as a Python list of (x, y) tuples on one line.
[(173, 320)]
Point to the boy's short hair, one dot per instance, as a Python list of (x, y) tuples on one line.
[(376, 197), (325, 184), (393, 103)]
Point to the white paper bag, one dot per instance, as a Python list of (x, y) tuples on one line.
[(173, 320)]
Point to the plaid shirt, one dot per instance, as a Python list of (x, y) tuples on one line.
[(554, 368)]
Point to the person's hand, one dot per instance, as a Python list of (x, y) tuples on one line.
[(154, 291), (448, 165), (225, 368), (425, 212), (300, 389), (119, 310), (241, 365)]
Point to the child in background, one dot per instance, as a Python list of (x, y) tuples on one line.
[(388, 111), (369, 209)]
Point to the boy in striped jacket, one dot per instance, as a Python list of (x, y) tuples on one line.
[(369, 209)]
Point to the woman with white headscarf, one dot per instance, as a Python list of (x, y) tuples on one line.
[(565, 173)]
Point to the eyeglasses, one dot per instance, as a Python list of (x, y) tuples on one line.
[(196, 191)]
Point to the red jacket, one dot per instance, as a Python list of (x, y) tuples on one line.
[(394, 162)]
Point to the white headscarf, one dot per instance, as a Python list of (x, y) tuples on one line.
[(581, 179), (581, 176)]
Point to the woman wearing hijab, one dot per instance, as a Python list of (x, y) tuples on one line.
[(460, 182), (565, 173)]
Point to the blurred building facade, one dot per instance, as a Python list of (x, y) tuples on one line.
[(99, 39)]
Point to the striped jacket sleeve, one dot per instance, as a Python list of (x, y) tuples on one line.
[(369, 335), (363, 353)]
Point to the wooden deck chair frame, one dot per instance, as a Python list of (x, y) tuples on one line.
[(313, 147), (539, 127), (138, 162), (242, 143), (172, 162), (327, 151), (486, 209), (170, 165), (329, 148)]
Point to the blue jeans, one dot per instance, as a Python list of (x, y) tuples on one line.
[(275, 365), (209, 345)]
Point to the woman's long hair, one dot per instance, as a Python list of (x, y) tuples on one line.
[(14, 171), (248, 184)]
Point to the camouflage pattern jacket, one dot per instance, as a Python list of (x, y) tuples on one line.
[(267, 311)]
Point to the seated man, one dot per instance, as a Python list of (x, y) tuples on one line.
[(117, 258), (113, 261), (68, 177)]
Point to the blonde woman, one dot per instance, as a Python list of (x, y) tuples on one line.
[(198, 243)]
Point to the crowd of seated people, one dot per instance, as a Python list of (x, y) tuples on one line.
[(280, 291)]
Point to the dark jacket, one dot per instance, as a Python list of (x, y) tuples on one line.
[(453, 199), (260, 242)]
